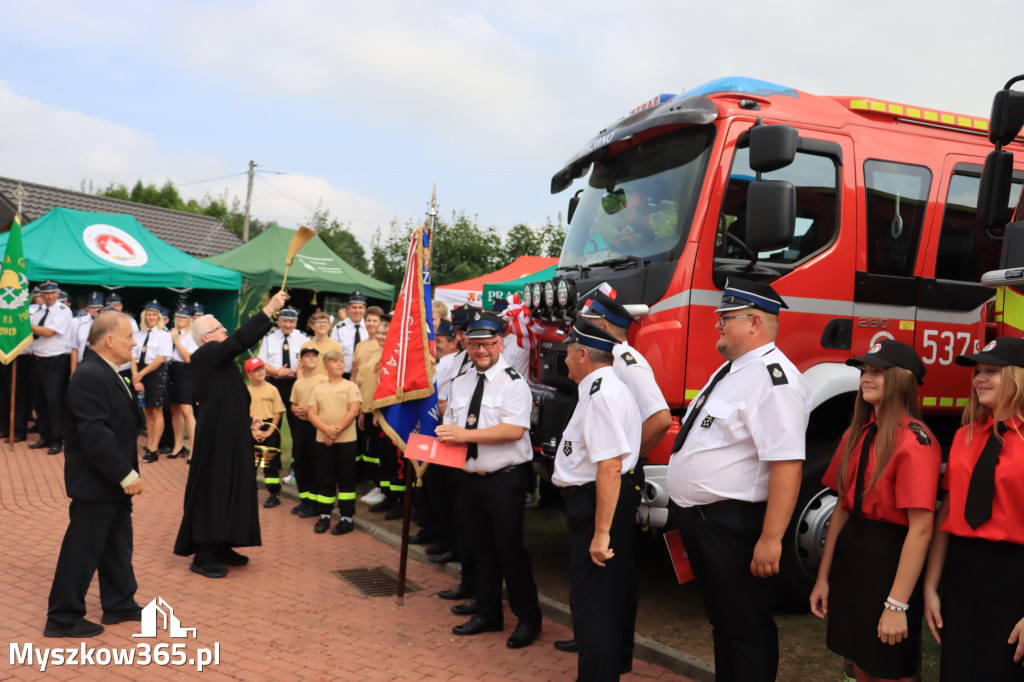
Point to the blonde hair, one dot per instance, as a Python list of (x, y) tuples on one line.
[(1011, 399), (159, 319), (332, 355), (899, 399)]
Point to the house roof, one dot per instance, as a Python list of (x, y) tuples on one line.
[(195, 234)]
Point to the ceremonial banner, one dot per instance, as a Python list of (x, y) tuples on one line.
[(406, 401), (15, 328)]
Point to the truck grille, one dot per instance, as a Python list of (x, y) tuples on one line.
[(553, 371)]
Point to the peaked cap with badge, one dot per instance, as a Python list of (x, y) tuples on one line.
[(741, 293)]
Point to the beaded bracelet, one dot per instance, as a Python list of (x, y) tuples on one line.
[(893, 607), (898, 603)]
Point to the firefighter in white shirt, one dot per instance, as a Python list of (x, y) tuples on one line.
[(351, 330), (489, 410), (51, 366), (734, 477)]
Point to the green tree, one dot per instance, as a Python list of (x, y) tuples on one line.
[(462, 250), (521, 240), (553, 236), (388, 253)]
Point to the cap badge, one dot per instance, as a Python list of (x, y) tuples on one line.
[(990, 346), (875, 348)]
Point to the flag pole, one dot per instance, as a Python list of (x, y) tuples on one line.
[(404, 462)]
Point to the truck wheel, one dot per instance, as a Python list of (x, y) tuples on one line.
[(805, 539)]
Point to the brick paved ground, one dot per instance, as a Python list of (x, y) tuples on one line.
[(286, 616)]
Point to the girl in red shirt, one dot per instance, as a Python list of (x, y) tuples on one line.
[(886, 473), (979, 552)]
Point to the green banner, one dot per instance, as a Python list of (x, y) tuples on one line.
[(15, 328)]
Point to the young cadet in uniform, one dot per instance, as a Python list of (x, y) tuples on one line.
[(352, 330), (304, 433), (51, 367), (886, 472), (267, 406), (489, 410), (280, 352), (80, 338), (149, 373), (333, 408), (365, 357), (734, 477), (593, 467), (321, 340), (979, 551)]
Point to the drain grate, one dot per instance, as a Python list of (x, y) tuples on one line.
[(375, 582)]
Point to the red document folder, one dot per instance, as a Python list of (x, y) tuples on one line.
[(429, 450), (680, 560)]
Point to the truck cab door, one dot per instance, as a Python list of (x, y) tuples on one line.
[(954, 309)]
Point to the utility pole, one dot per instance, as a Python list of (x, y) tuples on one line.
[(248, 202)]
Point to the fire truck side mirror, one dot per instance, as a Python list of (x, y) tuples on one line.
[(994, 190), (772, 147), (771, 215), (1007, 117)]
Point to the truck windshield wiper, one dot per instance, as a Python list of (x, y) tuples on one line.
[(622, 260)]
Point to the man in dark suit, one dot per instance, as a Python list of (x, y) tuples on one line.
[(101, 466)]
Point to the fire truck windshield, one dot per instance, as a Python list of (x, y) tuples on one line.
[(640, 202)]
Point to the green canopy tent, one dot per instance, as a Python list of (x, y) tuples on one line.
[(262, 262), (493, 292), (114, 251)]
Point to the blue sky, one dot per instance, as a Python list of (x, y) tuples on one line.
[(364, 105)]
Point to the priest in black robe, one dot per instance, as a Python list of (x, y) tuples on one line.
[(220, 495)]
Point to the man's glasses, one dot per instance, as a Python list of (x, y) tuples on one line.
[(486, 345), (722, 319)]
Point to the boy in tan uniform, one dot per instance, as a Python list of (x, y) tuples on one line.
[(304, 433), (333, 407), (266, 405), (364, 361), (323, 343)]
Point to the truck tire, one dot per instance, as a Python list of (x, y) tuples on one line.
[(805, 538)]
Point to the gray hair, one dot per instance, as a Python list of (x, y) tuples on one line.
[(203, 326), (104, 324)]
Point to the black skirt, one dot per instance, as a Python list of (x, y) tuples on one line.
[(863, 569), (181, 391), (155, 386), (982, 600)]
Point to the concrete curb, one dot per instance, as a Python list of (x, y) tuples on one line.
[(646, 649)]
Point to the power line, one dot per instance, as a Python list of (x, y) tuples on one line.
[(311, 211), (199, 182)]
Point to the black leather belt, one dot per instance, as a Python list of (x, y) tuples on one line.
[(506, 470), (570, 490), (715, 507)]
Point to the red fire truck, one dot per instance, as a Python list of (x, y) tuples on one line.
[(861, 213)]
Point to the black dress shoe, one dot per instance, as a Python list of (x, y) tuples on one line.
[(436, 549), (465, 609), (272, 501), (458, 592), (476, 625), (150, 457), (396, 512), (442, 558), (39, 445), (230, 557), (86, 628), (322, 524), (55, 449), (342, 527), (115, 617), (567, 645), (307, 513), (524, 634), (209, 570), (420, 538)]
